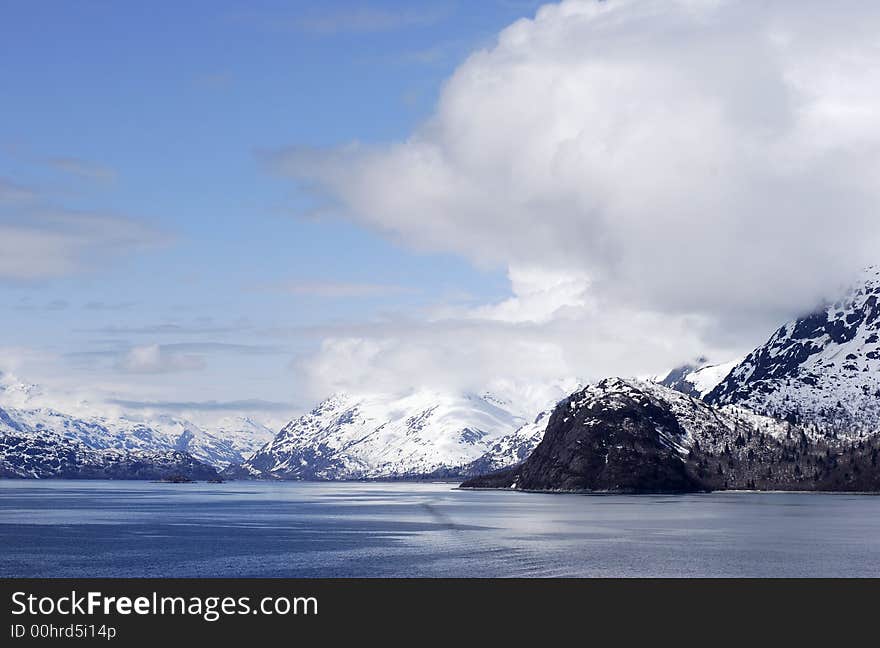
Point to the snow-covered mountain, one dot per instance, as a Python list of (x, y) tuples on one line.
[(26, 413), (230, 440), (154, 434), (512, 448), (382, 436), (820, 373), (699, 378), (42, 455), (637, 436), (697, 421), (345, 437), (821, 369)]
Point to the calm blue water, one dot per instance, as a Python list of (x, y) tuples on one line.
[(102, 529)]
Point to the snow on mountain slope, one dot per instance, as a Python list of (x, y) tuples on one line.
[(231, 444), (352, 437), (699, 421), (243, 433), (698, 379), (512, 448), (44, 455), (25, 413), (821, 369), (636, 436), (230, 440)]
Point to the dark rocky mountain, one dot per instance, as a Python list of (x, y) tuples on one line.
[(630, 436), (820, 370), (609, 437)]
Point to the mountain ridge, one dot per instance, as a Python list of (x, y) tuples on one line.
[(821, 369), (630, 436), (810, 394), (25, 411), (423, 433)]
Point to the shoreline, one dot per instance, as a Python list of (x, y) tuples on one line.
[(439, 482), (677, 493)]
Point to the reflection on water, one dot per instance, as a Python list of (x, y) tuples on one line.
[(70, 529)]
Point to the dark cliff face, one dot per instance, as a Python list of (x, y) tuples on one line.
[(629, 446), (621, 441), (631, 437)]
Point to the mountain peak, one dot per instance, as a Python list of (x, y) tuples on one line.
[(823, 368), (386, 435), (699, 378)]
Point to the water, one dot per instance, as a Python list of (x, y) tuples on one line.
[(105, 529)]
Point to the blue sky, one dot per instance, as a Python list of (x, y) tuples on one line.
[(157, 117), (216, 202)]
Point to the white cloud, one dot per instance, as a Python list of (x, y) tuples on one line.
[(540, 295), (43, 243), (549, 335), (335, 289), (156, 359), (688, 156), (69, 393), (658, 176)]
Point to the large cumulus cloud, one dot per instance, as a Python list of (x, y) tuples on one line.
[(703, 159)]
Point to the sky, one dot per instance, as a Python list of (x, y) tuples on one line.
[(245, 206)]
